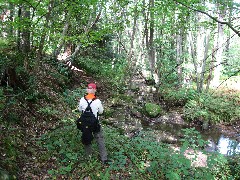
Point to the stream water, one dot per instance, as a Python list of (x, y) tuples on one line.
[(169, 129), (217, 141)]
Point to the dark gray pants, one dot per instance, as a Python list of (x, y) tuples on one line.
[(101, 146)]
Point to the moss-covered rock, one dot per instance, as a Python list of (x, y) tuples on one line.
[(153, 110)]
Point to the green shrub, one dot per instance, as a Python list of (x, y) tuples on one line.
[(219, 166), (192, 139), (215, 109), (112, 73), (178, 96), (140, 158), (11, 148), (234, 163), (48, 111), (72, 97)]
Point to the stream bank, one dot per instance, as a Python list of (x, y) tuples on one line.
[(126, 112)]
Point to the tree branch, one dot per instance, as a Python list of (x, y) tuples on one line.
[(213, 18), (61, 41), (87, 30), (235, 73)]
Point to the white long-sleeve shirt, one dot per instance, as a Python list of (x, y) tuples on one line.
[(96, 106)]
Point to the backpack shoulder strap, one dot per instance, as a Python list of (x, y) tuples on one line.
[(89, 104)]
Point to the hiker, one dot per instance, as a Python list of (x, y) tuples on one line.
[(96, 108)]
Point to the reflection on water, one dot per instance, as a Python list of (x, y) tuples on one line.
[(227, 146), (217, 141)]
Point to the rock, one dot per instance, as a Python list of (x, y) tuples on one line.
[(197, 158), (136, 113), (211, 146), (134, 87), (205, 125), (173, 118), (153, 110)]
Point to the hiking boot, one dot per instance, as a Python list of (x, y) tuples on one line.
[(107, 162)]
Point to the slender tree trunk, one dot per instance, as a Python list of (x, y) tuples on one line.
[(44, 33), (151, 49), (229, 31), (145, 34), (217, 71), (19, 31), (193, 55), (179, 56), (11, 7), (131, 62), (26, 36), (62, 41), (207, 38), (145, 38), (211, 70)]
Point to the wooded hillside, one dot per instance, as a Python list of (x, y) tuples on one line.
[(170, 53)]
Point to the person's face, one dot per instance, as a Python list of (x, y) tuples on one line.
[(91, 91)]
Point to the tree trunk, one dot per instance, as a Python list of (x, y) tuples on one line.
[(151, 49), (207, 38), (217, 71), (62, 41), (211, 70), (19, 31), (179, 56), (11, 7), (44, 33), (131, 62), (24, 35), (193, 55)]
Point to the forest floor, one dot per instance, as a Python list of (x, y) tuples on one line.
[(103, 93), (25, 135)]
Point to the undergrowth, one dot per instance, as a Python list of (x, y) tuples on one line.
[(141, 157), (216, 107)]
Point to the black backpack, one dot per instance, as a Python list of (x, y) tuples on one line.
[(88, 124)]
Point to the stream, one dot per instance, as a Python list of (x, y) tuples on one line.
[(168, 128), (217, 141)]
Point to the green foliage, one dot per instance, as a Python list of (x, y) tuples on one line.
[(4, 175), (153, 110), (48, 111), (120, 100), (192, 139), (232, 59), (234, 163), (10, 148), (178, 96), (219, 166), (111, 71), (72, 97), (140, 158), (63, 145), (13, 118), (213, 108), (108, 112)]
